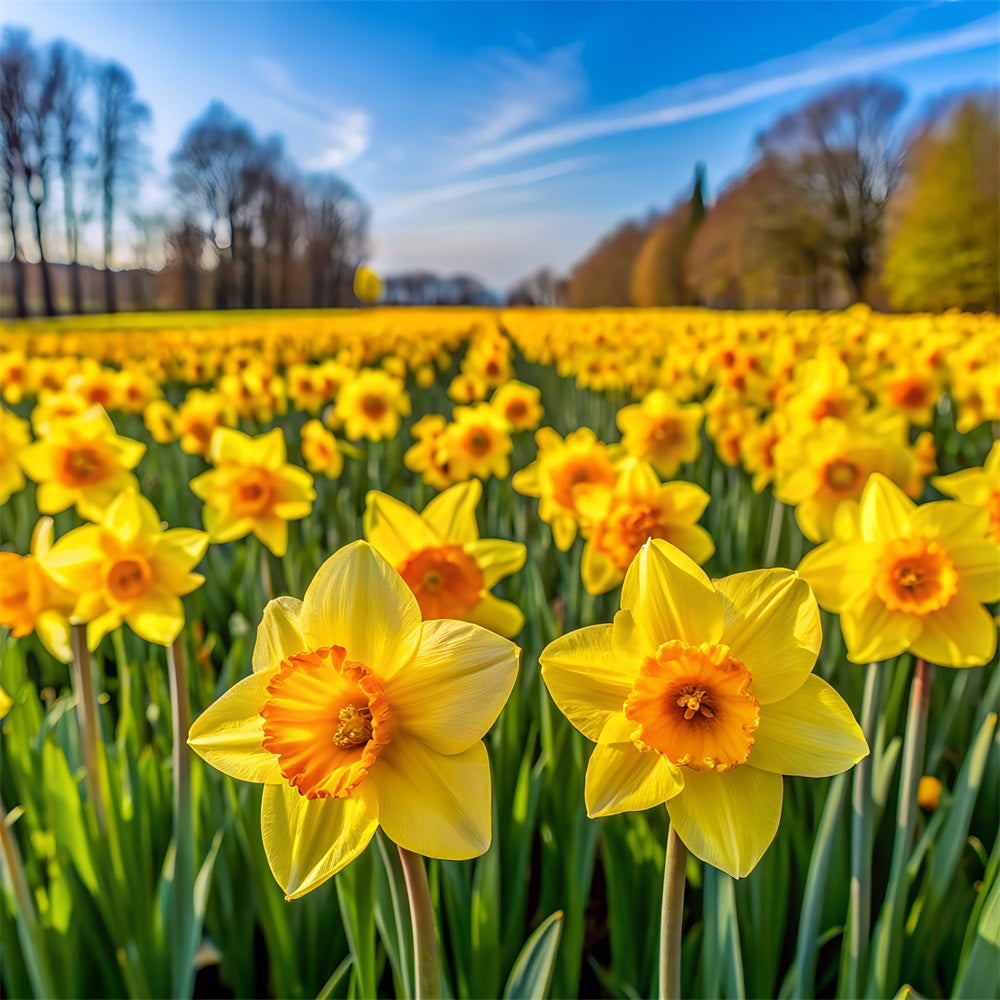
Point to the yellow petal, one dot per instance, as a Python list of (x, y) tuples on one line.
[(273, 534), (503, 617), (130, 515), (190, 542), (811, 732), (599, 573), (670, 597), (772, 625), (308, 840), (268, 449), (873, 632), (439, 806), (627, 645), (229, 445), (885, 509), (223, 527), (278, 634), (158, 618), (394, 529), (693, 540), (978, 568), (961, 634), (452, 514), (621, 778), (563, 531), (826, 570), (54, 631), (455, 687), (728, 820), (358, 601), (584, 678), (230, 732), (949, 522), (496, 558), (52, 497)]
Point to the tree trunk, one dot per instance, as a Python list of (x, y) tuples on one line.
[(17, 265), (110, 301), (43, 264), (72, 244)]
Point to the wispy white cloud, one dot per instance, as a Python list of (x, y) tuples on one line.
[(343, 134), (734, 90), (518, 90), (416, 201)]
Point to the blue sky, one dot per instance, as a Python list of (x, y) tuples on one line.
[(494, 138)]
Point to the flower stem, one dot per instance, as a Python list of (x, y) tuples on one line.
[(774, 531), (672, 917), (887, 944), (427, 959), (862, 831), (83, 684)]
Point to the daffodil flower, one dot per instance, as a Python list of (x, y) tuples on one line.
[(701, 695), (908, 577), (360, 715), (128, 569), (440, 555)]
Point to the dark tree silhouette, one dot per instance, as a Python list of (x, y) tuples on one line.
[(121, 117), (839, 152), (15, 70)]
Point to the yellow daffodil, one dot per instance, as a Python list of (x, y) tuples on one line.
[(367, 285), (639, 507), (979, 486), (14, 437), (31, 600), (661, 432), (426, 456), (559, 472), (519, 404), (907, 577), (371, 405), (197, 417), (81, 461), (128, 569), (359, 715), (442, 559), (319, 449), (476, 443), (701, 695), (252, 488)]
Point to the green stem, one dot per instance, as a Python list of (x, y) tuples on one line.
[(886, 952), (183, 883), (862, 839), (83, 684), (427, 960), (672, 917), (774, 531)]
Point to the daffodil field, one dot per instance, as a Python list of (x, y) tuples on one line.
[(520, 653)]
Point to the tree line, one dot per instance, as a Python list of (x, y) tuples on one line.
[(246, 229), (837, 206)]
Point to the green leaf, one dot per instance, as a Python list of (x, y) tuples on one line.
[(532, 973)]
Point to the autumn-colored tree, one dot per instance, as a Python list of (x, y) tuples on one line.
[(658, 277), (603, 277), (945, 221)]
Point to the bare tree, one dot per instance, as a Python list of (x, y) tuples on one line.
[(840, 152), (68, 70), (121, 117), (336, 234), (15, 69), (210, 173), (186, 245), (542, 288)]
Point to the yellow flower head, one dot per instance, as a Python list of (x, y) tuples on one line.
[(367, 285), (371, 405), (907, 577), (442, 559), (319, 449), (827, 463), (128, 569), (467, 387), (30, 598), (197, 417), (619, 522), (81, 461), (476, 443), (359, 715), (559, 472), (701, 695), (160, 418), (519, 404), (660, 432), (427, 456), (14, 437), (252, 488), (980, 487)]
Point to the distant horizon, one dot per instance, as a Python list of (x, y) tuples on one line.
[(514, 136)]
